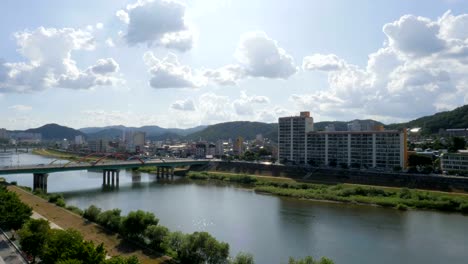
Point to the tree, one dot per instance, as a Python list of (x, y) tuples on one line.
[(13, 212), (310, 260), (110, 219), (156, 235), (33, 236), (456, 144), (243, 258), (121, 260), (419, 160), (92, 213), (201, 247), (174, 243), (63, 245), (136, 222)]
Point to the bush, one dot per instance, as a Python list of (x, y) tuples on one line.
[(401, 207), (92, 213), (463, 208), (60, 202), (243, 258), (14, 183), (74, 209), (54, 197), (156, 235), (110, 219)]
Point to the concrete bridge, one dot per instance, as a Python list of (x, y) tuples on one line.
[(110, 170)]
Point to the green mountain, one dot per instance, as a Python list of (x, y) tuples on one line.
[(54, 131), (245, 129), (457, 118)]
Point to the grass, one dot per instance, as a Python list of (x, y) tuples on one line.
[(398, 198), (114, 245)]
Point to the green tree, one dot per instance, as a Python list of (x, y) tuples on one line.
[(110, 219), (33, 236), (62, 245), (121, 260), (92, 213), (13, 212), (243, 258), (456, 144), (156, 235), (136, 222), (310, 260), (174, 243), (419, 160), (201, 247)]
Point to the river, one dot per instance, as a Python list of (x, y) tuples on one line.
[(271, 228)]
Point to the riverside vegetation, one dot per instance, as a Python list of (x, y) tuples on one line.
[(399, 198), (143, 229)]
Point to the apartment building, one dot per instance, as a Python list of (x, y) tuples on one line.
[(376, 148), (454, 161), (292, 133), (359, 149)]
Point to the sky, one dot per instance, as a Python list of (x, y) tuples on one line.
[(188, 63)]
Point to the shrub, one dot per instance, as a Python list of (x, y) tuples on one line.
[(401, 207), (92, 213), (14, 183), (74, 209), (110, 219), (60, 202), (54, 197)]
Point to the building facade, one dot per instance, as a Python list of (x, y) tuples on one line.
[(454, 162), (373, 148), (292, 131)]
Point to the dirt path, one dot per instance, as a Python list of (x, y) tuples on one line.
[(114, 245)]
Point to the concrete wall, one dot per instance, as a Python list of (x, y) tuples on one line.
[(325, 175)]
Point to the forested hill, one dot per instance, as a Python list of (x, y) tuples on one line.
[(457, 118), (245, 129)]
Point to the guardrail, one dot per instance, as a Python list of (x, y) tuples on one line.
[(18, 250)]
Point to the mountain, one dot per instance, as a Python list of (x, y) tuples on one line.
[(341, 125), (245, 129), (457, 118), (151, 131), (54, 131)]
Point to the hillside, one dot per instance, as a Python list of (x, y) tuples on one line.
[(151, 131), (245, 129), (457, 118), (54, 131)]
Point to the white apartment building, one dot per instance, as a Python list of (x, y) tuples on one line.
[(454, 161), (292, 131), (360, 149)]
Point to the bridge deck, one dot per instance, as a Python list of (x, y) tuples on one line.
[(49, 168)]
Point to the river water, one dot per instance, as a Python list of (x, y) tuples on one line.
[(271, 228)]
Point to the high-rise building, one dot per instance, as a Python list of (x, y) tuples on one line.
[(3, 133), (292, 138), (79, 140), (239, 146), (359, 149)]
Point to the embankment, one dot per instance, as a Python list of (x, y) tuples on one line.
[(332, 176)]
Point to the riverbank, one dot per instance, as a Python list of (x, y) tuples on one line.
[(398, 198), (114, 245)]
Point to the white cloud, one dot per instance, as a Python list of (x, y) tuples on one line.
[(99, 26), (168, 72), (245, 104), (262, 57), (105, 66), (420, 69), (226, 75), (110, 43), (320, 62), (49, 62), (183, 105), (157, 23), (20, 108)]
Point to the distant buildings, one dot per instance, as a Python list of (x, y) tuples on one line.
[(98, 145), (134, 141), (454, 161), (370, 148), (239, 146), (3, 133)]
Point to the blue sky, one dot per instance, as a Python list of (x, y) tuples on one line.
[(183, 64)]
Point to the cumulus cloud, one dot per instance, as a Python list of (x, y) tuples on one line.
[(257, 56), (245, 104), (156, 23), (183, 105), (320, 62), (168, 72), (262, 57), (420, 69), (105, 66), (49, 63)]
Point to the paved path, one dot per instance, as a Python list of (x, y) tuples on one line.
[(8, 254), (53, 225)]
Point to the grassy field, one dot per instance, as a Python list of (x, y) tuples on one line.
[(114, 245), (398, 198)]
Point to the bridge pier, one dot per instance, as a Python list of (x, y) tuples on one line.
[(40, 181), (110, 177)]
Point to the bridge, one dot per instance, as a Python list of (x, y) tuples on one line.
[(110, 170)]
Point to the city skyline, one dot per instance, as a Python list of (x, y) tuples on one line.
[(109, 63)]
